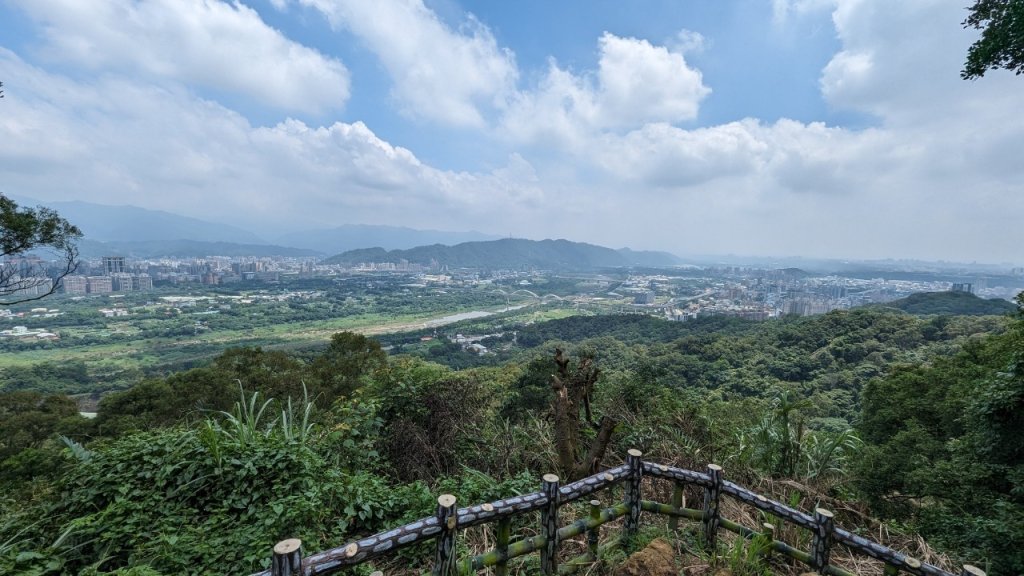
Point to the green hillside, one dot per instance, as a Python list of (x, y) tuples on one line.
[(952, 303), (858, 409), (510, 253)]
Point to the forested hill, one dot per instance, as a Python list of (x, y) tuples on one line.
[(952, 303), (202, 471), (511, 254)]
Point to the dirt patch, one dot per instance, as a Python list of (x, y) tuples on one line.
[(657, 559)]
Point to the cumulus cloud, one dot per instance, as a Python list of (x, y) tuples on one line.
[(454, 77), (114, 142), (209, 43), (612, 155), (642, 83), (938, 164), (635, 83), (901, 63)]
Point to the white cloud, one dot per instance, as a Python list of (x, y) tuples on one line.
[(688, 41), (783, 10), (114, 142), (642, 83), (635, 83), (210, 43), (938, 176), (603, 155), (455, 77), (901, 62)]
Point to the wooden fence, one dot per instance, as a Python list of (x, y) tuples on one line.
[(287, 559)]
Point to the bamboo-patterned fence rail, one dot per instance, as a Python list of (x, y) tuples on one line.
[(287, 559)]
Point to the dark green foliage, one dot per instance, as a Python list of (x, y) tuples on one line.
[(191, 502), (628, 329), (1002, 37), (47, 377), (274, 373), (952, 303), (429, 422), (946, 449), (531, 393), (30, 423), (188, 479), (344, 367), (29, 418), (348, 359), (183, 396)]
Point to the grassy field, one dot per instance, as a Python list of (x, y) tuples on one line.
[(147, 352)]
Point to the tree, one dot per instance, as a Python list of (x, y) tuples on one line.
[(348, 359), (22, 277), (1002, 37), (574, 388)]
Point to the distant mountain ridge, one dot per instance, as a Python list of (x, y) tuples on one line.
[(513, 254), (355, 236), (187, 249), (133, 224)]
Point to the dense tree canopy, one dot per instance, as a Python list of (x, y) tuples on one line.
[(355, 441), (945, 448), (1002, 37)]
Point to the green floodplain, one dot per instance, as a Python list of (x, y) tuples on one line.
[(109, 341)]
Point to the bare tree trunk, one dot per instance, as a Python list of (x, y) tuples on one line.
[(573, 390), (595, 454)]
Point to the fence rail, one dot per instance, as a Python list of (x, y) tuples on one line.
[(287, 559)]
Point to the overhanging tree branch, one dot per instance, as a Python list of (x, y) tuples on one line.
[(26, 229), (1002, 37)]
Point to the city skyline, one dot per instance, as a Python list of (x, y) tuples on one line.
[(806, 127)]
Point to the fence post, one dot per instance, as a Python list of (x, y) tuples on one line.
[(636, 471), (711, 514), (287, 559), (504, 533), (822, 539), (677, 503), (549, 526), (447, 520), (594, 535), (972, 571)]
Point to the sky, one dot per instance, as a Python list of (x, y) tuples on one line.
[(815, 128)]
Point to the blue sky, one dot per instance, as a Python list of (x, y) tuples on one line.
[(825, 128)]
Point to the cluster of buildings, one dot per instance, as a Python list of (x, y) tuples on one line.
[(24, 276), (115, 277), (763, 294), (23, 333), (212, 271)]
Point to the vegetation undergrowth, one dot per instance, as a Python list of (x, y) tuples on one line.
[(873, 413)]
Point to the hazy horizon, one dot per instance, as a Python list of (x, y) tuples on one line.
[(818, 129)]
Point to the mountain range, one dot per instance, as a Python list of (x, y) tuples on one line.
[(142, 233), (513, 254), (354, 236)]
